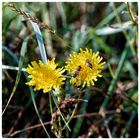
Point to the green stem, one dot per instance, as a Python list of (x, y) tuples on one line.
[(111, 72), (54, 99), (50, 103)]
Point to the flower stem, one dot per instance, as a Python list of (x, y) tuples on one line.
[(55, 101), (71, 116), (111, 72), (50, 102)]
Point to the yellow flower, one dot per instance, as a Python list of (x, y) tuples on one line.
[(85, 67), (45, 76)]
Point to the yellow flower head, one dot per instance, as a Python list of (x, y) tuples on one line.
[(85, 67), (45, 76)]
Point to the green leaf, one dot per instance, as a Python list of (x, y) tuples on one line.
[(22, 53)]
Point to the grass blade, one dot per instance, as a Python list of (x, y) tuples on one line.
[(113, 30), (62, 13), (35, 106), (116, 76), (40, 41), (111, 16), (125, 130), (14, 57), (53, 16), (47, 36), (22, 53), (12, 68)]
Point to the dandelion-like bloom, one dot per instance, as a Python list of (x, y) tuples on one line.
[(45, 76), (85, 67)]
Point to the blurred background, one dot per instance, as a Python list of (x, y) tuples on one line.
[(111, 29)]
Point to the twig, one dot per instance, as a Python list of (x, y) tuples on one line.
[(26, 129), (131, 14), (47, 123), (94, 114), (60, 111), (107, 129), (71, 116), (28, 16)]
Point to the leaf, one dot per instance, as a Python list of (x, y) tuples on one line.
[(22, 53)]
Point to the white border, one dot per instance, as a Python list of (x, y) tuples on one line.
[(64, 1), (70, 1)]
